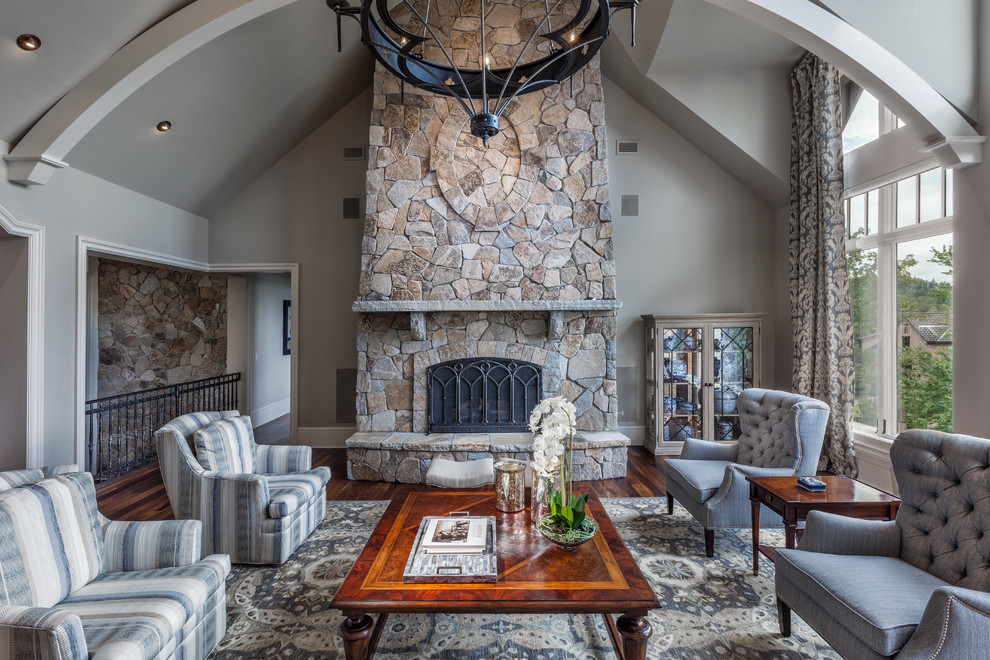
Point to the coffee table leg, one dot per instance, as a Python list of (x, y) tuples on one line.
[(356, 633), (635, 631), (755, 504)]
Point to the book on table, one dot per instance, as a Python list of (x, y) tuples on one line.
[(452, 535), (453, 549)]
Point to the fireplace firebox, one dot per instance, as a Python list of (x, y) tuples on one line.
[(485, 395)]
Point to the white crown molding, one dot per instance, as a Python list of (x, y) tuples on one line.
[(34, 449)]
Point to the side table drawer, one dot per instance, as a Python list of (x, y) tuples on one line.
[(771, 501)]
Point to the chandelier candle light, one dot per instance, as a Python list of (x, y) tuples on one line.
[(567, 524), (399, 37)]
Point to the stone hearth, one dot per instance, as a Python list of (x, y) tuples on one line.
[(405, 457)]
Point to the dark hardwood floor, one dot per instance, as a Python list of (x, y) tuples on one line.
[(141, 495)]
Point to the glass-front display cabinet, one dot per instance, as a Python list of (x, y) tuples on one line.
[(696, 366)]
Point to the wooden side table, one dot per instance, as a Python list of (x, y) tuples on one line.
[(842, 495)]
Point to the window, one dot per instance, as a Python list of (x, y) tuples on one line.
[(899, 255), (867, 122)]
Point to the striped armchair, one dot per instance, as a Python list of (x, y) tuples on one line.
[(76, 585), (259, 517)]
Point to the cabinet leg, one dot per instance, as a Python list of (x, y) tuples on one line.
[(709, 542)]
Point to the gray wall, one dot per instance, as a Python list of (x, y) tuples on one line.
[(702, 243), (292, 213), (13, 350), (78, 204), (270, 370), (971, 275)]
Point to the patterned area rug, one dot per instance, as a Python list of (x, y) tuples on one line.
[(712, 608)]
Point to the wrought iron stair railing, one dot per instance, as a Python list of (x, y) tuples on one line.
[(120, 429)]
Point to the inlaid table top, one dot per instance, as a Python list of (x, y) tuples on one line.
[(838, 490), (533, 574)]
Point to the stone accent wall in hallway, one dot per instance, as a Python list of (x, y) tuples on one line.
[(159, 326)]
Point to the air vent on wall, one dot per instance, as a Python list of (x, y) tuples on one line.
[(352, 208), (624, 147), (630, 205), (354, 152)]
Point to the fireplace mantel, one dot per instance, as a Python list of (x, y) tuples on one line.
[(388, 306), (418, 308)]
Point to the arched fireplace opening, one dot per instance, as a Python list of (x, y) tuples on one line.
[(482, 395)]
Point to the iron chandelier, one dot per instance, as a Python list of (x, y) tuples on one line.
[(569, 40)]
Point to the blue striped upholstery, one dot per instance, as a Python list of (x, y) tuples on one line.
[(226, 446), (291, 491), (73, 584), (14, 478), (256, 518), (41, 632), (51, 541), (138, 546), (279, 459), (143, 614)]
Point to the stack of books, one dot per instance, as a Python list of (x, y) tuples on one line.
[(453, 549), (455, 536)]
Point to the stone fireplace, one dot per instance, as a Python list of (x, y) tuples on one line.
[(504, 252)]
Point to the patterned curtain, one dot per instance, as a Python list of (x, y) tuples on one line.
[(819, 282)]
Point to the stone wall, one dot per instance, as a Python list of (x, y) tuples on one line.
[(159, 327), (526, 219)]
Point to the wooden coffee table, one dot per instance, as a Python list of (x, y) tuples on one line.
[(842, 495), (599, 577)]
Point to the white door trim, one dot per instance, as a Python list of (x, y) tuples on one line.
[(86, 245), (34, 449)]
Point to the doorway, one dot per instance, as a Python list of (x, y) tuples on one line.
[(14, 387)]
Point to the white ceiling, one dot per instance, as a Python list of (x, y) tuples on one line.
[(76, 36), (703, 37), (245, 99)]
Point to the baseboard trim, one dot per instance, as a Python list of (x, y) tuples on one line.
[(635, 432), (325, 437), (271, 412)]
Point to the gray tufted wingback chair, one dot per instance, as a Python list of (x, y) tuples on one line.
[(781, 435), (912, 588)]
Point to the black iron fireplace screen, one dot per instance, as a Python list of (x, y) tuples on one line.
[(493, 395)]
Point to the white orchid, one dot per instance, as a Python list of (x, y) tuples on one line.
[(553, 421)]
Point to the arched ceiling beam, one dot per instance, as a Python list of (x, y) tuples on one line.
[(944, 130), (42, 150)]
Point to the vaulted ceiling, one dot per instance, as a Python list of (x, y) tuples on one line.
[(248, 95)]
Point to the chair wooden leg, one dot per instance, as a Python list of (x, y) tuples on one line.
[(784, 617), (670, 504), (709, 542)]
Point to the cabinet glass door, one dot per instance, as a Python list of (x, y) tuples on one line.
[(651, 392), (682, 383), (734, 357)]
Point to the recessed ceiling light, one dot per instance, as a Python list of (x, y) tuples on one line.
[(164, 126), (28, 42)]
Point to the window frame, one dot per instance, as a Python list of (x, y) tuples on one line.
[(885, 240)]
